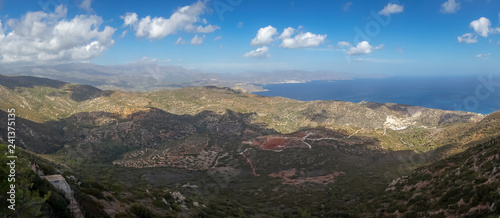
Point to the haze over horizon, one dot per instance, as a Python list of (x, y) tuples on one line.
[(365, 38)]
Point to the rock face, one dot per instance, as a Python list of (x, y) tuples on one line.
[(59, 182)]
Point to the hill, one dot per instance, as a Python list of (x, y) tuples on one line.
[(218, 152), (463, 184)]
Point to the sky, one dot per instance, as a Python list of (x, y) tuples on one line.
[(234, 36)]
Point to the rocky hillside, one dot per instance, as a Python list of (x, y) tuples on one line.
[(43, 100), (463, 184), (219, 152)]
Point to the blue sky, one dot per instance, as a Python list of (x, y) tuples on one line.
[(421, 37)]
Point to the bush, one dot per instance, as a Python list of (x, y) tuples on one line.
[(141, 211), (110, 198), (392, 208), (402, 208), (452, 196), (94, 192), (160, 204), (123, 215)]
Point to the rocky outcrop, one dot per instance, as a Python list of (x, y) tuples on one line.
[(60, 183)]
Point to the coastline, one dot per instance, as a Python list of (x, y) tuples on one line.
[(389, 90)]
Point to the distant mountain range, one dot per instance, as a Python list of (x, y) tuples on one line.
[(151, 76)]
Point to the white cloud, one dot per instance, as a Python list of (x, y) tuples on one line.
[(240, 24), (40, 37), (483, 55), (363, 48), (264, 36), (86, 5), (150, 60), (467, 38), (287, 33), (129, 19), (258, 53), (391, 9), (450, 7), (201, 29), (304, 40), (180, 41), (346, 6), (481, 26), (495, 31), (123, 34), (343, 44), (197, 40), (184, 19), (217, 38)]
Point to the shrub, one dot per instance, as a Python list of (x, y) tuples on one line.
[(123, 215), (141, 211), (402, 208)]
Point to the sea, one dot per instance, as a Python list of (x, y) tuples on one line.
[(473, 93)]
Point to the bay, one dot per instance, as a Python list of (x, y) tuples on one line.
[(464, 93)]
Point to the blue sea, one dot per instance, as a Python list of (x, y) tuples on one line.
[(478, 93)]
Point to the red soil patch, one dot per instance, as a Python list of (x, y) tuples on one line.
[(270, 142), (277, 143), (274, 143)]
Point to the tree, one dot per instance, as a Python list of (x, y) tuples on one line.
[(28, 201)]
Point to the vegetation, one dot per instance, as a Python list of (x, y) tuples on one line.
[(191, 152), (34, 197), (463, 184)]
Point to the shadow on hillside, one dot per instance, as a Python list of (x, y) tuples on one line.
[(13, 82), (137, 130), (103, 136), (79, 93), (33, 136)]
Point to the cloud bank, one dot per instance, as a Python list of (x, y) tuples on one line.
[(40, 37)]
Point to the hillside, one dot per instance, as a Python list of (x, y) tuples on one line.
[(218, 152), (58, 100), (463, 184)]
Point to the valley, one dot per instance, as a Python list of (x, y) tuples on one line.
[(221, 152)]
